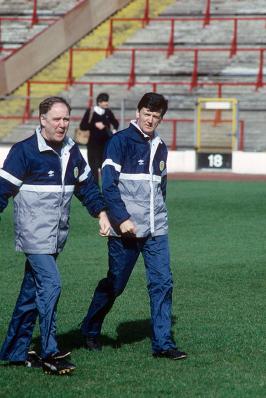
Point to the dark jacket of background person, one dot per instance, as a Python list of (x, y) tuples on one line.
[(98, 137)]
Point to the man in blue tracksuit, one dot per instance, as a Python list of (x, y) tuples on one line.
[(42, 173), (134, 187)]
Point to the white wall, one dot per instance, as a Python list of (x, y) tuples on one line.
[(182, 161), (185, 161), (4, 149), (249, 162)]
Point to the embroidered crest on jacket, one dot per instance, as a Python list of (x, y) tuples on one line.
[(76, 172)]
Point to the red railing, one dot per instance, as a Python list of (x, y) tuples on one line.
[(27, 112), (169, 50), (30, 22), (207, 16), (33, 20), (194, 82), (151, 85), (172, 21), (174, 141)]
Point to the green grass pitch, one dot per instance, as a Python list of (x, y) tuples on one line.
[(218, 252)]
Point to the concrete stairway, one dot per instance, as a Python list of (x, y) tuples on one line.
[(45, 7), (16, 33)]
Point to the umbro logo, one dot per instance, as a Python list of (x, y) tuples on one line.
[(51, 173), (141, 162)]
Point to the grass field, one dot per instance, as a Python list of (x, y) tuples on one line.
[(217, 236)]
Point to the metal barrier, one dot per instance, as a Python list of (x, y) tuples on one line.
[(194, 83), (174, 142)]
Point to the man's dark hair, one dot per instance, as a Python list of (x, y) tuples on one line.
[(154, 102), (47, 104), (102, 97)]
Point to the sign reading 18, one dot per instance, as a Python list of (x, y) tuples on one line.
[(215, 160)]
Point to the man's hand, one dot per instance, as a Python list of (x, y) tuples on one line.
[(128, 227), (104, 224), (100, 125)]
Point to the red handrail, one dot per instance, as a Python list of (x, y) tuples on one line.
[(206, 20), (132, 75), (241, 135), (90, 97), (174, 121), (260, 73), (194, 79), (194, 76), (207, 16), (233, 50), (27, 112), (70, 78), (171, 43), (146, 13), (34, 13), (109, 49), (174, 136)]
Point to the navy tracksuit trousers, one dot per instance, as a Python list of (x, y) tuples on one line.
[(123, 255), (39, 294)]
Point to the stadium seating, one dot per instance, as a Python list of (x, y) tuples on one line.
[(19, 23), (229, 64), (213, 67)]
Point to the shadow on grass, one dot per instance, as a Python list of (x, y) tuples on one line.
[(134, 331), (74, 340), (128, 332)]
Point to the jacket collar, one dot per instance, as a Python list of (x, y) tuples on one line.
[(146, 136), (68, 143), (100, 111)]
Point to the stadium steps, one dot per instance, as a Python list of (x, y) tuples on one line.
[(58, 70), (179, 67), (45, 7), (16, 33), (242, 67), (218, 8)]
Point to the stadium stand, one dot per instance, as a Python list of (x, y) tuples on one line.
[(58, 71), (39, 50), (185, 54), (20, 21)]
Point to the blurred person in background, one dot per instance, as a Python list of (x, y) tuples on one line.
[(101, 124)]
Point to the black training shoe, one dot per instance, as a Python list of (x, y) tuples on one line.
[(93, 344), (62, 354), (58, 364), (170, 354), (33, 361)]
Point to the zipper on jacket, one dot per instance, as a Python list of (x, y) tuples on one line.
[(154, 143), (60, 199)]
